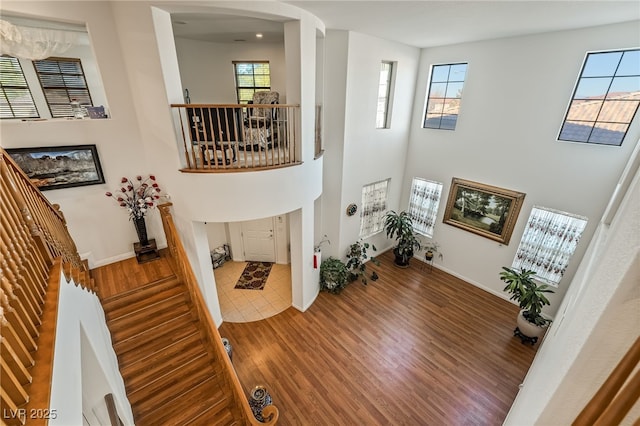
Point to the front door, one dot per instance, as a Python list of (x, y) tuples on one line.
[(257, 237)]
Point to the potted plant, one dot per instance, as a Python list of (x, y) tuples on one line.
[(400, 227), (531, 299), (333, 275), (432, 249), (356, 258)]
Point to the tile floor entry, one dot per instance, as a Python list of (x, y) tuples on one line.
[(239, 305)]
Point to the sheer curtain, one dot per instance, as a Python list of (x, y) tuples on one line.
[(423, 205), (34, 43), (374, 207), (548, 242)]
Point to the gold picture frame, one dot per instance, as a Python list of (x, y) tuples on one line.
[(483, 209)]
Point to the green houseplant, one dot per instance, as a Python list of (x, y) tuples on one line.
[(432, 249), (530, 297), (400, 227), (333, 275), (356, 258)]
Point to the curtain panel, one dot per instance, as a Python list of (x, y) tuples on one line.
[(549, 240), (423, 205), (374, 207)]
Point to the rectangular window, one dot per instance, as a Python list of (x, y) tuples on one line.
[(605, 98), (424, 200), (445, 95), (15, 97), (251, 77), (384, 93), (550, 238), (62, 80), (374, 207)]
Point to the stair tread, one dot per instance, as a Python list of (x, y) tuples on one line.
[(182, 324), (143, 319), (132, 306), (212, 409), (158, 355), (147, 371), (199, 386), (152, 348), (141, 292)]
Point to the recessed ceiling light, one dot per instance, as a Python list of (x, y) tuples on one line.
[(259, 35)]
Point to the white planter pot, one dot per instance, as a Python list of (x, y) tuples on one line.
[(529, 329)]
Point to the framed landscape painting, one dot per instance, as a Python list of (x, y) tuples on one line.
[(55, 167), (485, 210)]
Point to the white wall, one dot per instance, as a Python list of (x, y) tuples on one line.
[(597, 323), (80, 313), (515, 96), (100, 228), (361, 153), (206, 68)]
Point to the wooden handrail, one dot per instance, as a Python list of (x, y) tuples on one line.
[(112, 409), (214, 340), (228, 138), (35, 248), (617, 395)]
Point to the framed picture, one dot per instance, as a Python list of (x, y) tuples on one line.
[(55, 167), (483, 209)]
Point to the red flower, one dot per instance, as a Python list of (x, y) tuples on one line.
[(129, 188), (108, 194), (124, 180), (152, 177), (123, 205), (139, 177), (155, 185), (123, 190), (120, 199)]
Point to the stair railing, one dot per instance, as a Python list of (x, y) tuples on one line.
[(216, 347), (617, 395), (35, 247)]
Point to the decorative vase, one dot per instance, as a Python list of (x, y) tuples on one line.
[(141, 229), (258, 399)]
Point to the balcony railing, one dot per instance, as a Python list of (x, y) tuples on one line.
[(230, 137)]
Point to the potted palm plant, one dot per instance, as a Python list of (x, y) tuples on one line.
[(400, 227), (531, 298)]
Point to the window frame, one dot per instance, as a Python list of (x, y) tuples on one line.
[(3, 89), (444, 98), (383, 115), (254, 88), (572, 101), (62, 107)]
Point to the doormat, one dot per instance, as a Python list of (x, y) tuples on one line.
[(254, 276)]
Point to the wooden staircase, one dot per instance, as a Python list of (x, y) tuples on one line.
[(169, 375)]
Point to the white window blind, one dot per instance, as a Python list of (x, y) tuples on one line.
[(423, 205), (374, 207), (15, 96), (549, 240)]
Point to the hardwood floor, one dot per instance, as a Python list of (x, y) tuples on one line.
[(415, 347)]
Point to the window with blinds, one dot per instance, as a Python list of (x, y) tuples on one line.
[(251, 77), (62, 80), (15, 97)]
